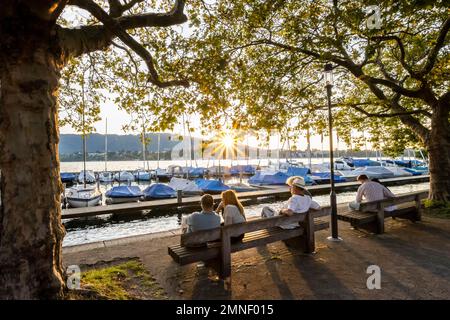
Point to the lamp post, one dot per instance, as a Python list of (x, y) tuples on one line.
[(328, 76)]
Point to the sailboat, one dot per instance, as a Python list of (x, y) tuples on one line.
[(84, 195)]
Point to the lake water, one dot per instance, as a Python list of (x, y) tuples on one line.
[(133, 165), (106, 229)]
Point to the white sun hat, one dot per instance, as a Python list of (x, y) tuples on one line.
[(296, 181)]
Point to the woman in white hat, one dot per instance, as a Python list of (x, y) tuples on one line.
[(301, 201)]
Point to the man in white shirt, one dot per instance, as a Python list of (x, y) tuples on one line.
[(300, 202), (370, 191)]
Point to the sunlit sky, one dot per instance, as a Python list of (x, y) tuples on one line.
[(117, 118)]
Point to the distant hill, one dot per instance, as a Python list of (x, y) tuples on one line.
[(72, 143)]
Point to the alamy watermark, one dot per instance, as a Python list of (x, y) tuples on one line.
[(374, 280), (73, 277), (374, 19)]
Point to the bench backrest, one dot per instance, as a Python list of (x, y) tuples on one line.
[(237, 229), (401, 198)]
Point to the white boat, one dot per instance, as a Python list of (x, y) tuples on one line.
[(90, 176), (325, 167), (185, 185), (175, 170), (106, 177), (124, 176), (398, 171), (142, 175), (83, 196), (370, 172)]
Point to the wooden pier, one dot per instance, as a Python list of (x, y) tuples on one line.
[(278, 193)]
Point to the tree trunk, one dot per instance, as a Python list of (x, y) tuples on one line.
[(31, 232), (439, 153)]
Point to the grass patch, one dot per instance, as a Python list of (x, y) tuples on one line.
[(124, 281), (440, 209)]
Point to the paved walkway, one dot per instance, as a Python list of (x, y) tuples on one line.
[(414, 261)]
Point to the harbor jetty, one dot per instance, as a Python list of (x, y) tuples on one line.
[(278, 193)]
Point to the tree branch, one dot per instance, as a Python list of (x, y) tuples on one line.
[(96, 37), (114, 28), (435, 50), (402, 52), (386, 115)]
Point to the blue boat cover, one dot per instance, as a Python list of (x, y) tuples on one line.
[(124, 192), (211, 185), (159, 191), (401, 163), (365, 163), (142, 175), (297, 171), (413, 171), (327, 175), (67, 177), (266, 178), (195, 172), (245, 169)]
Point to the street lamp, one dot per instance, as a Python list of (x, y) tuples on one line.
[(328, 77)]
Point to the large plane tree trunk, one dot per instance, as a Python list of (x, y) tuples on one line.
[(439, 153), (31, 232)]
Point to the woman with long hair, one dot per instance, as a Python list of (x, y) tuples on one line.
[(233, 211)]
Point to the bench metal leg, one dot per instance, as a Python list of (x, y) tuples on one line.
[(225, 263), (308, 238), (380, 219), (418, 213)]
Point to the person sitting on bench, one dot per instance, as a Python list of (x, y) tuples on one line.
[(233, 211), (370, 191), (204, 220), (301, 201)]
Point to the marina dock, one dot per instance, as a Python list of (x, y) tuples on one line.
[(278, 193)]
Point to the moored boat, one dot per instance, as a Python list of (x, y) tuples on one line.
[(68, 177), (211, 186), (185, 185), (159, 191), (105, 177), (83, 196), (264, 178), (122, 194), (124, 176), (88, 174), (142, 175), (162, 174), (324, 177)]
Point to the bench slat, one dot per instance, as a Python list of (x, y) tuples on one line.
[(401, 198), (192, 238)]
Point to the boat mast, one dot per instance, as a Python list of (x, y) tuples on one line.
[(365, 144), (106, 145), (321, 141), (159, 143), (184, 143), (308, 140), (278, 148), (143, 143), (247, 149), (337, 144), (84, 149)]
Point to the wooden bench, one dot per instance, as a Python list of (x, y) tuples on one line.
[(258, 232), (371, 215)]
